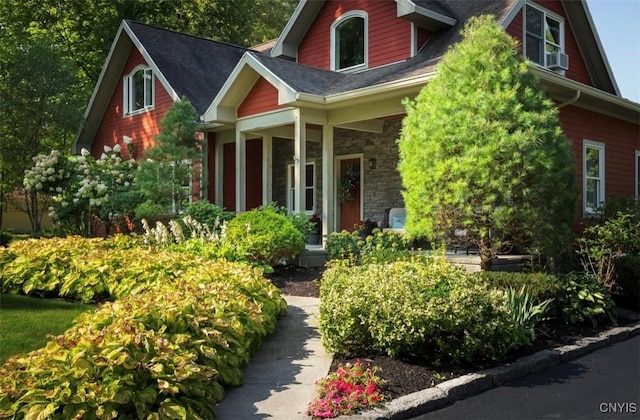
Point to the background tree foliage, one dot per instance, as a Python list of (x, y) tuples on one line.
[(481, 149), (52, 52)]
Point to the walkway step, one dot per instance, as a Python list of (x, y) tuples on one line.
[(279, 381)]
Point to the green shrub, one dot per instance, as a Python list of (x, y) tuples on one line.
[(540, 286), (265, 236), (628, 276), (606, 241), (375, 247), (5, 237), (423, 307), (208, 213), (582, 299), (165, 353)]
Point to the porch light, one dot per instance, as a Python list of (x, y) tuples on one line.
[(372, 163)]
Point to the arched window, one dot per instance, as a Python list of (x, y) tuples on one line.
[(349, 43), (138, 90)]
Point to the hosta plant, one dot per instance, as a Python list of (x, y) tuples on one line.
[(165, 353), (351, 388)]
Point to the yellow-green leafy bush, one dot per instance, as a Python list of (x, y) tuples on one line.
[(422, 307), (165, 353), (87, 269)]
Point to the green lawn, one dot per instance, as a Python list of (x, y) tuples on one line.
[(25, 322)]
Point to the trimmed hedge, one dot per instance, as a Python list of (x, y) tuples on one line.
[(165, 353), (421, 307)]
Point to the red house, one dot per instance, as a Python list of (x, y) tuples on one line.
[(320, 108)]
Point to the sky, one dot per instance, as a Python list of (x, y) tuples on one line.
[(618, 26)]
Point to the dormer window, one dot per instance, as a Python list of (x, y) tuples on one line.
[(349, 42), (544, 38), (138, 91)]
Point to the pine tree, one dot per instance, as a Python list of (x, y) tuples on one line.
[(170, 163), (481, 149)]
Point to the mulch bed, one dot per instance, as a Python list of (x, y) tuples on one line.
[(405, 375)]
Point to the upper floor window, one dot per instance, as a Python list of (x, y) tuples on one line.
[(544, 38), (593, 169), (349, 42), (138, 90)]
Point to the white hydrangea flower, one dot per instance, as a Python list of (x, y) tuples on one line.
[(107, 149)]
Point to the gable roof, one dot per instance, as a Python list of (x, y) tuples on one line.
[(186, 66), (448, 17)]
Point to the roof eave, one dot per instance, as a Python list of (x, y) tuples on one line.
[(612, 105), (429, 19), (296, 28)]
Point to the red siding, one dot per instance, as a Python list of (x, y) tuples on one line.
[(621, 140), (577, 68), (142, 128), (423, 37), (389, 36), (263, 97)]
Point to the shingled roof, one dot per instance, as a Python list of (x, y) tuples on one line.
[(195, 67)]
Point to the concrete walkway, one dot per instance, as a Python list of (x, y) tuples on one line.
[(279, 381)]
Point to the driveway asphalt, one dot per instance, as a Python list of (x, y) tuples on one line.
[(604, 384)]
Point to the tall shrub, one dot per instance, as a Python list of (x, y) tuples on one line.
[(481, 149)]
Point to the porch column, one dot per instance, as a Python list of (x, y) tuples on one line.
[(241, 171), (328, 194), (267, 169), (300, 159), (219, 171)]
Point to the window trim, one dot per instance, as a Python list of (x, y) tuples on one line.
[(291, 188), (545, 13), (586, 144), (334, 58), (127, 98)]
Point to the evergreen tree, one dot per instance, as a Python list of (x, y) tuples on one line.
[(165, 176), (481, 149)]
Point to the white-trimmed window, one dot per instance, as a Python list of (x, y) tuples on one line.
[(349, 42), (309, 188), (544, 37), (138, 91), (638, 173), (593, 170)]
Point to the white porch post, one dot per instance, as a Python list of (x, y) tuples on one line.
[(219, 171), (300, 158), (241, 171), (267, 169), (328, 211)]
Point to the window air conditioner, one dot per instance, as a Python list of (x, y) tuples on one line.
[(557, 61)]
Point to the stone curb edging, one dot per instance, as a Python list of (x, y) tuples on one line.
[(444, 393)]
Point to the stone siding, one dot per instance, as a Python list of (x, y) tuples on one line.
[(382, 185)]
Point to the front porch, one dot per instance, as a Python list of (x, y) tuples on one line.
[(301, 166)]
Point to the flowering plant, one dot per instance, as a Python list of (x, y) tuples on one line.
[(316, 223), (365, 227), (350, 388)]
